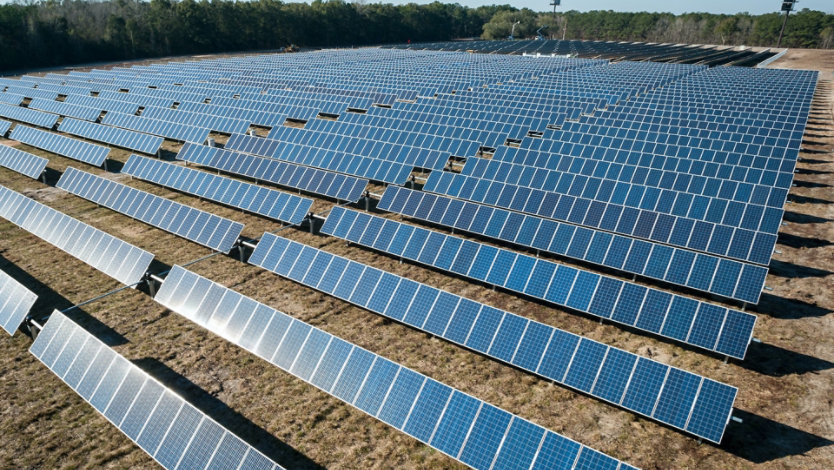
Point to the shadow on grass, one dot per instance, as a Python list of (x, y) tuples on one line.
[(774, 361), (49, 300), (238, 424), (799, 218), (788, 309), (759, 439), (795, 198), (794, 271), (805, 171), (796, 241), (815, 152), (812, 161)]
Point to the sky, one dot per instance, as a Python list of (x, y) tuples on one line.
[(755, 7)]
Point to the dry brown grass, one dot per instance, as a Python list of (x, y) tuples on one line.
[(785, 386)]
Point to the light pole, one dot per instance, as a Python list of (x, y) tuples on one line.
[(787, 7), (512, 31), (556, 3)]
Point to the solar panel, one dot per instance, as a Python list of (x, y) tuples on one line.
[(29, 116), (4, 127), (30, 92), (169, 130), (141, 100), (137, 141), (364, 167), (459, 425), (65, 109), (313, 180), (714, 238), (683, 319), (216, 123), (119, 260), (535, 347), (62, 145), (700, 271), (187, 222), (12, 98), (22, 162), (15, 303), (163, 424), (103, 104), (267, 202)]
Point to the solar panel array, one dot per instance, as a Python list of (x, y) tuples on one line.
[(621, 378), (216, 123), (459, 425), (313, 180), (201, 227), (683, 53), (62, 145), (119, 260), (15, 303), (171, 430), (102, 104), (169, 130), (30, 92), (29, 116), (22, 162), (65, 109), (112, 135), (386, 171), (675, 172), (684, 319), (698, 271), (12, 99), (714, 238), (4, 127), (263, 201)]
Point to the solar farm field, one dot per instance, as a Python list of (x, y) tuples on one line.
[(383, 258)]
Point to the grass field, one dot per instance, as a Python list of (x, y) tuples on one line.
[(786, 384)]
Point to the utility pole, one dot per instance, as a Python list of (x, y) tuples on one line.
[(787, 7), (512, 31), (556, 3)]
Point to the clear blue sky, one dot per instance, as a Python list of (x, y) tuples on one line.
[(755, 7)]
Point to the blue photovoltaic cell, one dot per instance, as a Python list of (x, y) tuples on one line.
[(62, 145), (29, 116), (591, 367), (15, 303), (387, 171), (167, 427), (193, 224), (419, 406), (602, 296), (629, 221), (119, 260), (137, 141), (22, 162), (170, 130), (733, 279), (305, 178), (267, 202)]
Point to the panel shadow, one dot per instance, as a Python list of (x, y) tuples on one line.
[(793, 271), (759, 439), (788, 309), (774, 361), (227, 417)]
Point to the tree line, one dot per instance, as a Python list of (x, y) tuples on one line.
[(59, 32), (806, 28)]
